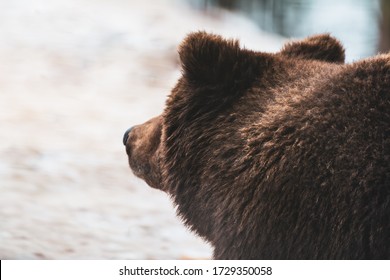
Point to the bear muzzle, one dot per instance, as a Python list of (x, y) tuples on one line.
[(143, 145)]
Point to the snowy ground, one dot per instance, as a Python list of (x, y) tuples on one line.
[(74, 75)]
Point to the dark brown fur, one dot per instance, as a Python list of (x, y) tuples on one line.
[(275, 156)]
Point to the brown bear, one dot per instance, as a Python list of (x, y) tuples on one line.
[(274, 155)]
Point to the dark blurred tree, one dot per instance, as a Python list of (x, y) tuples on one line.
[(384, 38), (227, 4), (279, 16)]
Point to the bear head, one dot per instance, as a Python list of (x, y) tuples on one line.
[(211, 66)]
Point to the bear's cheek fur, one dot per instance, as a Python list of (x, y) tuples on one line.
[(143, 150)]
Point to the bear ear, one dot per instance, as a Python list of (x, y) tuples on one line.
[(209, 60), (319, 47)]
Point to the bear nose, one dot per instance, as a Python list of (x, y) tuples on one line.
[(126, 136)]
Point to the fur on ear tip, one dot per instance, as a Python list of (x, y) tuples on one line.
[(208, 59), (318, 47)]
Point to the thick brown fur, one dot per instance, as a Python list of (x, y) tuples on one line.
[(275, 156)]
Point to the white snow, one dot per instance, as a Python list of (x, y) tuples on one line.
[(74, 75)]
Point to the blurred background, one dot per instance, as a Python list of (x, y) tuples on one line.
[(361, 25), (75, 74)]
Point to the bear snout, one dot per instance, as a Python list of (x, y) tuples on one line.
[(126, 135), (142, 144)]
